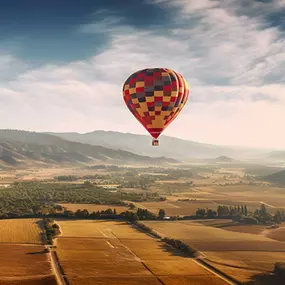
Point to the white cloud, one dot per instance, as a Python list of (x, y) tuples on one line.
[(233, 65)]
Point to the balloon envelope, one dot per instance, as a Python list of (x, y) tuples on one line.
[(155, 96)]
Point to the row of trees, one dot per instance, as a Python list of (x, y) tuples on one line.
[(223, 211), (51, 229), (240, 214)]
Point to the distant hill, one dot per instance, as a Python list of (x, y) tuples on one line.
[(169, 146), (223, 159), (276, 178), (22, 147)]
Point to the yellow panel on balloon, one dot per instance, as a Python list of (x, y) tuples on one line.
[(158, 93), (149, 99), (140, 84)]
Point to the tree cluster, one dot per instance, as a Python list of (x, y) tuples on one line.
[(84, 214), (183, 247), (223, 211), (241, 214), (144, 214), (35, 198), (51, 229)]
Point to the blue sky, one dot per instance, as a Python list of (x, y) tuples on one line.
[(63, 63)]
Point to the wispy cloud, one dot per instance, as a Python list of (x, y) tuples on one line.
[(233, 62)]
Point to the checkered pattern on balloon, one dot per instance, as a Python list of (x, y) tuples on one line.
[(155, 97)]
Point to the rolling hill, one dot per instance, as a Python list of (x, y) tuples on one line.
[(276, 178), (24, 148), (169, 146), (223, 159)]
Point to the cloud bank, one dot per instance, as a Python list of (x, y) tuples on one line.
[(233, 60)]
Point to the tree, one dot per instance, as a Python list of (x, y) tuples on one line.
[(87, 183), (115, 211), (211, 213), (161, 213), (263, 210), (245, 210), (250, 220), (201, 213), (132, 206), (277, 217)]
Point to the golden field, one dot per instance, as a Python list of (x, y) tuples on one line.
[(25, 264), (210, 238), (177, 208), (242, 255), (49, 280), (108, 252), (277, 234), (231, 195), (93, 207), (21, 231)]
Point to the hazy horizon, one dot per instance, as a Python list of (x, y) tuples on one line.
[(147, 135), (63, 64)]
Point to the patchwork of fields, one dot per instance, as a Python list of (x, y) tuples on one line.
[(116, 253), (23, 260), (177, 208), (241, 255), (109, 252)]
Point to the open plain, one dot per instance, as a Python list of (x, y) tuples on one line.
[(117, 253), (21, 231), (23, 260), (241, 255)]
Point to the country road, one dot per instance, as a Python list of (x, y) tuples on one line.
[(56, 269)]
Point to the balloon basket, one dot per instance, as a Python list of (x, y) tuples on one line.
[(155, 142)]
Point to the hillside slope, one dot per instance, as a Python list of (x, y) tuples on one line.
[(22, 147), (276, 178), (169, 146)]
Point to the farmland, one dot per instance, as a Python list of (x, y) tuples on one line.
[(278, 234), (92, 250), (241, 255), (177, 208), (26, 257), (21, 231), (127, 255), (23, 260)]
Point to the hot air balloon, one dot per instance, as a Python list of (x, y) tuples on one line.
[(155, 96)]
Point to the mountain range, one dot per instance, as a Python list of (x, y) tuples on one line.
[(33, 148), (30, 148), (169, 146)]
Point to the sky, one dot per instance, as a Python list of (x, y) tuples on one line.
[(63, 64)]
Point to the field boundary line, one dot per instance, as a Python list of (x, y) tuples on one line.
[(138, 259), (103, 233), (216, 272), (202, 263), (235, 266), (109, 244), (147, 268)]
